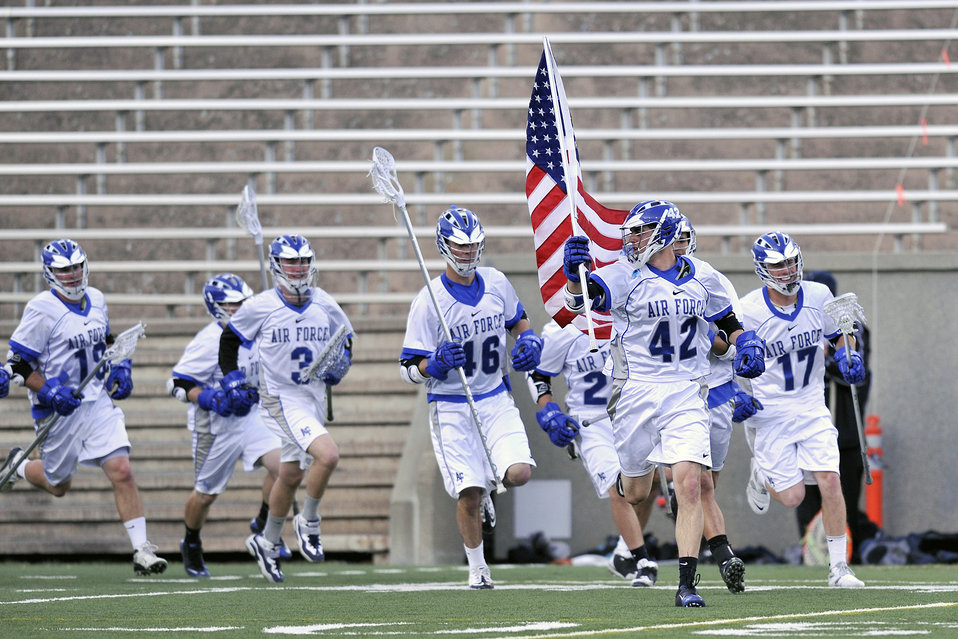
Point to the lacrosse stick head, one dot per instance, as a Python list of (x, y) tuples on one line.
[(385, 181), (846, 311), (125, 343), (330, 358), (247, 216)]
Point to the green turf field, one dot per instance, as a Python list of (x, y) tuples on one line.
[(349, 600)]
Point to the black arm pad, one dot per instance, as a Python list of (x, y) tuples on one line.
[(543, 383), (185, 384), (20, 366), (230, 344), (729, 323)]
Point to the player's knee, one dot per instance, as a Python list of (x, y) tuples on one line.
[(59, 490), (518, 474), (792, 497)]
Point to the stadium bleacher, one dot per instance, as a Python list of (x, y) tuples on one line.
[(133, 129)]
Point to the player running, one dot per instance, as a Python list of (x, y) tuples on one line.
[(480, 307), (290, 326), (795, 441)]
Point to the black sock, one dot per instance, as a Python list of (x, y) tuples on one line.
[(639, 553), (687, 568), (721, 550), (263, 513), (192, 536)]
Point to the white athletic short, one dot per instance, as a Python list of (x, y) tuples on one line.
[(789, 446), (597, 451), (458, 448), (659, 423), (86, 436), (215, 456), (720, 433), (297, 420)]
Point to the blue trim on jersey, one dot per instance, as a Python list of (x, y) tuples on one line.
[(518, 316), (25, 353), (407, 353), (507, 382), (461, 399), (76, 307), (293, 307), (671, 274), (238, 334), (789, 317), (601, 303), (722, 393), (720, 314), (547, 373), (468, 294)]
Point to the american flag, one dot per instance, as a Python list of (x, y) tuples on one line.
[(549, 206)]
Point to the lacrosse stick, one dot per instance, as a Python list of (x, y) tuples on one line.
[(247, 216), (846, 311), (122, 348), (664, 481), (387, 184), (330, 356)]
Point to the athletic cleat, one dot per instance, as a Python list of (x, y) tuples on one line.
[(623, 566), (255, 527), (688, 597), (7, 463), (307, 538), (193, 559), (841, 576), (267, 557), (756, 492), (487, 511), (733, 574), (480, 579), (145, 561), (648, 572)]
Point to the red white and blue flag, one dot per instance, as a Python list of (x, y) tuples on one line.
[(549, 136)]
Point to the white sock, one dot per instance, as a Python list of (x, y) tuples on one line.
[(310, 511), (837, 550), (475, 556), (21, 470), (273, 528), (136, 529)]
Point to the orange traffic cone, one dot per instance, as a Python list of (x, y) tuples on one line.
[(873, 491)]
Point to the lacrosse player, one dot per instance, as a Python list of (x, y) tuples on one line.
[(661, 307), (566, 352), (61, 336), (726, 402), (793, 439), (220, 437), (480, 307), (290, 326)]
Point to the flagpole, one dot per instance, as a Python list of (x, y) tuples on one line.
[(570, 166)]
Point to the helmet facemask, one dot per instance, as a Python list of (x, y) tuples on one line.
[(685, 239), (461, 240), (66, 269), (224, 294), (292, 264), (778, 262), (650, 227)]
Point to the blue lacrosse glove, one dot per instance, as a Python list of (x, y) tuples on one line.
[(4, 382), (745, 406), (852, 371), (527, 352), (240, 395), (448, 356), (214, 400), (57, 395), (749, 355), (338, 371), (560, 427), (576, 252), (121, 376)]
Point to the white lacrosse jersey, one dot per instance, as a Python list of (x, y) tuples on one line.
[(660, 321), (64, 336), (566, 352), (479, 317), (200, 365), (794, 357), (288, 338)]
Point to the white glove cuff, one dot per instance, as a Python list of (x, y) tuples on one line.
[(729, 354)]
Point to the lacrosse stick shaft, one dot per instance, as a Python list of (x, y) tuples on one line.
[(664, 481), (862, 445), (262, 263), (329, 403)]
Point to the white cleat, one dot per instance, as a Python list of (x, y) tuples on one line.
[(145, 561), (307, 539), (480, 579), (841, 576), (756, 492), (647, 573)]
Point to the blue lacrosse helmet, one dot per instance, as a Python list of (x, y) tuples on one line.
[(778, 252), (658, 218), (460, 239), (60, 259), (685, 238), (222, 290), (292, 264)]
